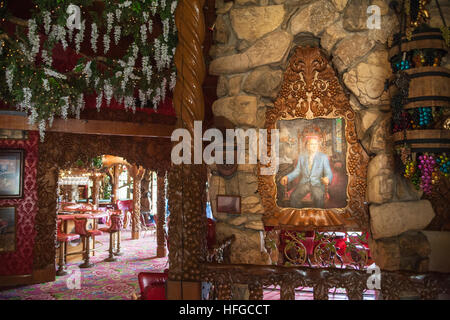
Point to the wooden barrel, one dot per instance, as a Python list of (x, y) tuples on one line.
[(435, 141), (429, 87), (421, 40)]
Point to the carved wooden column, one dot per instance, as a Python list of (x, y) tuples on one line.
[(187, 229), (95, 189), (114, 173), (161, 214), (146, 205), (137, 173)]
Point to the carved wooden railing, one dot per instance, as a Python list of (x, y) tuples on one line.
[(393, 283)]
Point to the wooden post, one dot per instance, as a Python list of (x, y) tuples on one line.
[(187, 229), (137, 173), (146, 205), (95, 189), (115, 173), (161, 214)]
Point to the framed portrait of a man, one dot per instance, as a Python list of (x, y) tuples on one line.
[(312, 164), (319, 180)]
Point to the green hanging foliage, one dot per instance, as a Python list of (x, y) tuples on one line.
[(145, 73)]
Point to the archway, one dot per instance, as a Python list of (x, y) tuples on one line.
[(61, 151)]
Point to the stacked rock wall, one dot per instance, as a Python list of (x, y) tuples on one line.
[(253, 41)]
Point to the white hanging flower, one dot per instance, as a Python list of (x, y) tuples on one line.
[(118, 14), (157, 46), (145, 62), (34, 39), (125, 4), (130, 102), (142, 98), (45, 85), (173, 6), (96, 81), (26, 53), (135, 49), (109, 21), (2, 43), (163, 89), (54, 74), (166, 29), (94, 37), (163, 4), (26, 103), (165, 59), (107, 87), (144, 34), (98, 101), (117, 34), (87, 72), (80, 102), (106, 43), (156, 98), (9, 75), (150, 26), (80, 36), (146, 16), (47, 21), (54, 32), (154, 8), (48, 59), (147, 69), (42, 130), (62, 36), (80, 106), (65, 108), (32, 117), (173, 81)]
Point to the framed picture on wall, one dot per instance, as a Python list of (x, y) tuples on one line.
[(7, 229), (11, 173), (229, 204), (319, 179)]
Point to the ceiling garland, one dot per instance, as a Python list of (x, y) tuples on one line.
[(141, 78)]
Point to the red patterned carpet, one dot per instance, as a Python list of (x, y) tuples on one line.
[(105, 281)]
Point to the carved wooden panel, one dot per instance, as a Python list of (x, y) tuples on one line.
[(310, 90), (393, 284), (61, 151), (187, 221)]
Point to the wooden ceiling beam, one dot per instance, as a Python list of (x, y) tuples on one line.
[(98, 127)]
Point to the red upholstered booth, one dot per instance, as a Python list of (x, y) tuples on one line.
[(153, 285)]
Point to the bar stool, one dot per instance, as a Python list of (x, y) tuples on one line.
[(63, 238), (86, 235), (114, 229)]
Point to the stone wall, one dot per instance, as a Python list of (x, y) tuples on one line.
[(253, 41)]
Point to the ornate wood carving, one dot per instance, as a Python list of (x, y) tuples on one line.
[(161, 214), (61, 151), (188, 94), (137, 173), (187, 223), (310, 90), (145, 191), (393, 284)]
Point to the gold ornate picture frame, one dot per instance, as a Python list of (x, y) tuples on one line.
[(311, 90)]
